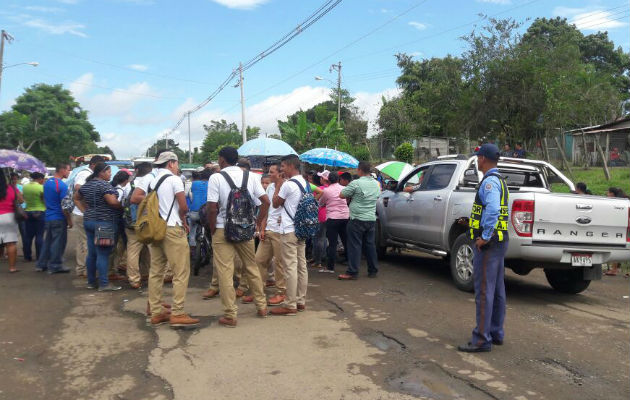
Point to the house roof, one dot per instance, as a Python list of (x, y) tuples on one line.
[(620, 124)]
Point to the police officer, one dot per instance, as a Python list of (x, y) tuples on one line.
[(488, 229)]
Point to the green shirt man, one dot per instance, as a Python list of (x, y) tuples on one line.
[(363, 193), (33, 193)]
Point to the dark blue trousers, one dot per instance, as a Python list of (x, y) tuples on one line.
[(55, 241), (488, 275), (35, 225), (361, 240)]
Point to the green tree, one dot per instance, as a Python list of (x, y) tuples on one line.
[(49, 123), (303, 135), (404, 153), (220, 134), (106, 150), (169, 144)]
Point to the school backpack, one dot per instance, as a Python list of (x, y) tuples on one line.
[(150, 227), (305, 220), (240, 224)]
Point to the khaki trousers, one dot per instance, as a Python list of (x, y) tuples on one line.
[(238, 273), (268, 249), (174, 250), (295, 273), (138, 258), (117, 257), (81, 246), (225, 254)]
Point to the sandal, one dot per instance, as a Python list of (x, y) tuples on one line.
[(610, 273), (13, 270)]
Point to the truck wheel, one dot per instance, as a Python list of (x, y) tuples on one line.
[(461, 258), (381, 250), (567, 281)]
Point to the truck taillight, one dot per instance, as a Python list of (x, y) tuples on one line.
[(523, 217)]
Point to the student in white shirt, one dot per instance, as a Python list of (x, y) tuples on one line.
[(77, 217), (287, 196), (270, 246), (225, 252), (173, 248)]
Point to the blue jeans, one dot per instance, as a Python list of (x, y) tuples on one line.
[(98, 256), (56, 237), (35, 226), (361, 240)]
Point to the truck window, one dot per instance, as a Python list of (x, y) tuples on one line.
[(414, 181), (440, 176)]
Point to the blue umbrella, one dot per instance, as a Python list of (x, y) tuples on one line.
[(265, 147), (330, 157)]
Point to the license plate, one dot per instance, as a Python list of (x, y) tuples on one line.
[(581, 260)]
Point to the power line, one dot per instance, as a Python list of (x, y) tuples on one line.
[(324, 9)]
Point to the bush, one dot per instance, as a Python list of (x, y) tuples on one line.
[(361, 153), (404, 153)]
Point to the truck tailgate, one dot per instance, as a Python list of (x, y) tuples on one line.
[(589, 220)]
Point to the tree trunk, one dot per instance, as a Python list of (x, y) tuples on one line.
[(585, 155), (604, 160), (607, 146), (545, 148), (564, 157)]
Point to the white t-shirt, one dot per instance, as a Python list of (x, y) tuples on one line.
[(166, 195), (292, 195), (123, 192), (274, 218), (80, 180), (219, 190), (144, 181)]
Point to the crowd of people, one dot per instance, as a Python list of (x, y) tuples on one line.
[(103, 210)]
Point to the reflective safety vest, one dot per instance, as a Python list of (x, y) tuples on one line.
[(501, 228)]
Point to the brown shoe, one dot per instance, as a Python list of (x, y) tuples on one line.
[(183, 320), (284, 311), (135, 285), (270, 283), (301, 307), (239, 293), (347, 277), (168, 279), (247, 299), (227, 322), (160, 319), (276, 300), (116, 277), (210, 294), (262, 313)]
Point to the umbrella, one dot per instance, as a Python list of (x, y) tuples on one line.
[(330, 157), (22, 161), (395, 169), (265, 147)]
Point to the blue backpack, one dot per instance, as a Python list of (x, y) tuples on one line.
[(305, 219)]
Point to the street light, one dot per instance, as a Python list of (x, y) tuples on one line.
[(335, 67), (33, 63), (2, 68)]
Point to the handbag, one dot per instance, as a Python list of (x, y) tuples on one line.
[(104, 236), (20, 214)]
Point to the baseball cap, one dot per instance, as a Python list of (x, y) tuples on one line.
[(165, 157), (489, 150), (324, 174)]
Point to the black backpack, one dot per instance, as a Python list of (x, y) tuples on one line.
[(240, 224)]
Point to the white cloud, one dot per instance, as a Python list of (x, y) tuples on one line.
[(72, 28), (496, 1), (241, 4), (595, 20), (50, 10), (80, 86), (370, 104), (68, 1), (418, 25), (138, 67)]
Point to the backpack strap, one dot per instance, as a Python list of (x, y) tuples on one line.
[(303, 193), (229, 180), (245, 178), (162, 179)]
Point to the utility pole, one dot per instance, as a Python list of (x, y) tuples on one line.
[(9, 38), (337, 67), (240, 83), (189, 145)]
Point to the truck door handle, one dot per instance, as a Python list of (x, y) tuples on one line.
[(437, 198)]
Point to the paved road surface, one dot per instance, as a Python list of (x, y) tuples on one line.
[(386, 338)]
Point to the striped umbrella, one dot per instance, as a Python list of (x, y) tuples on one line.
[(395, 169)]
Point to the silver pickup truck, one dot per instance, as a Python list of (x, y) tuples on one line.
[(568, 235)]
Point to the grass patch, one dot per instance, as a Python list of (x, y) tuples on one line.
[(596, 181)]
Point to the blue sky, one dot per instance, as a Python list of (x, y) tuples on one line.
[(138, 65)]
